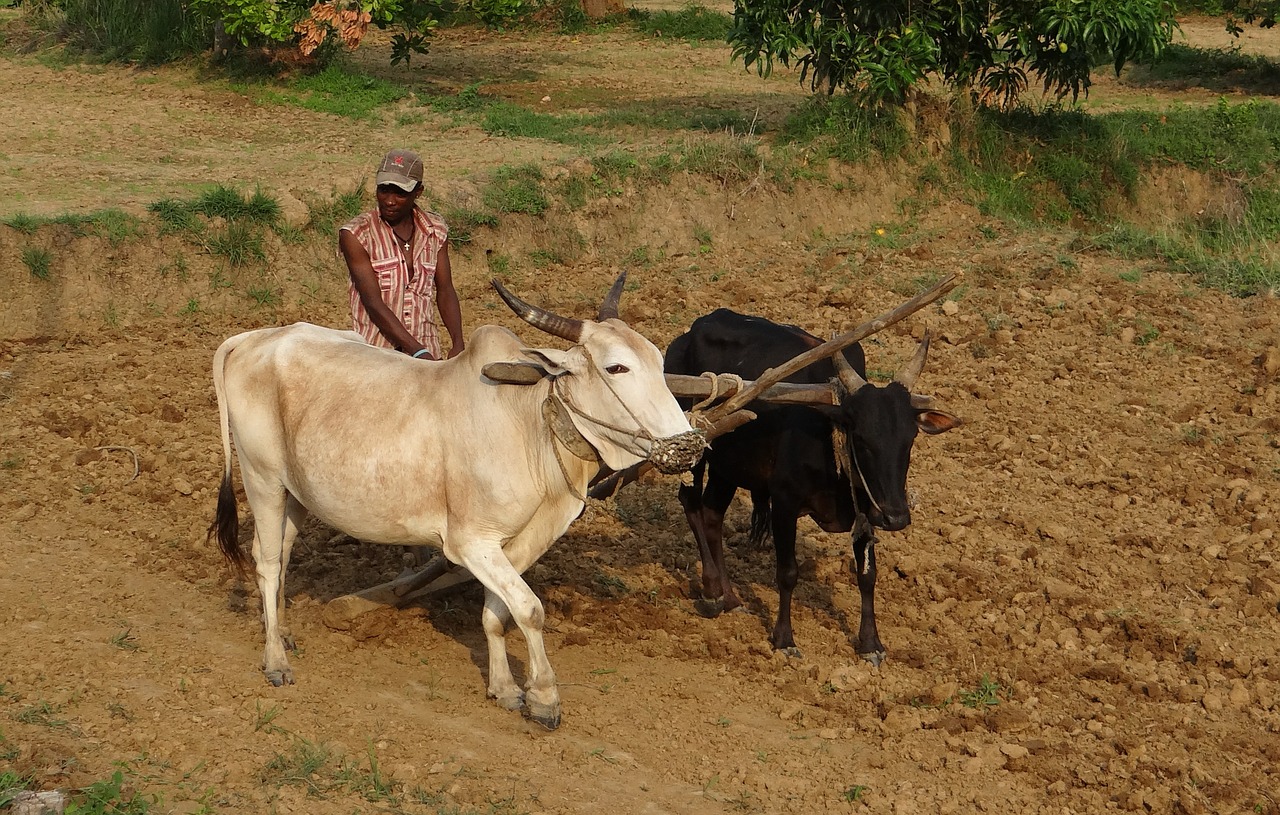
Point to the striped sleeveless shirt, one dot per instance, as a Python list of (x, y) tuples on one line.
[(411, 296)]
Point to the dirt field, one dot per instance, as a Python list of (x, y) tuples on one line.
[(1083, 616)]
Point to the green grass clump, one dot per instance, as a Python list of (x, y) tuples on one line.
[(467, 99), (176, 216), (840, 128), (506, 119), (335, 90), (517, 189), (327, 215), (987, 693), (239, 243), (115, 225), (228, 203), (153, 32), (693, 23), (730, 162), (24, 223), (463, 222), (38, 261)]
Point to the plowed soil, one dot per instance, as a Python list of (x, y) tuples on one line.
[(1082, 617)]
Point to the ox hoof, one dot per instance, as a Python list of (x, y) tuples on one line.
[(709, 608), (280, 678), (874, 657), (509, 701), (792, 652), (546, 715)]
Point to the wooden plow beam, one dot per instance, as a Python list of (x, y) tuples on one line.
[(726, 414)]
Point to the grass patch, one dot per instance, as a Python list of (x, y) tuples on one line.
[(38, 261), (117, 226), (693, 23), (335, 90), (1056, 164), (839, 128), (1064, 166), (327, 215), (24, 223), (463, 222), (230, 204), (1178, 61), (1250, 273), (112, 796), (128, 31), (176, 217), (263, 296), (730, 162), (467, 99), (514, 121), (299, 767), (246, 215), (517, 189), (240, 243)]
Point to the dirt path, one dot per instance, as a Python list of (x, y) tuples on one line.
[(1093, 554)]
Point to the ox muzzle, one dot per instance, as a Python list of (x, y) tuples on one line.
[(675, 454)]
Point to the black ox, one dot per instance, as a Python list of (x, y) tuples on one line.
[(789, 461)]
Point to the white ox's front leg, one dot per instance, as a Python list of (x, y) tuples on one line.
[(507, 592), (502, 685)]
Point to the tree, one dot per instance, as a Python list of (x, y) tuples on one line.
[(1262, 12), (880, 49), (312, 25)]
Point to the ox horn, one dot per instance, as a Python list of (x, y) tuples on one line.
[(907, 376), (848, 376), (609, 308), (565, 328)]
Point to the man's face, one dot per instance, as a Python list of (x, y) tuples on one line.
[(394, 204)]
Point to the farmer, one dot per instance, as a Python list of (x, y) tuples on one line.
[(398, 260)]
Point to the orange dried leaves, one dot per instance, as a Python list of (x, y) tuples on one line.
[(349, 24)]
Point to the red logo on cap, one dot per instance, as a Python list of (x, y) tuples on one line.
[(399, 160)]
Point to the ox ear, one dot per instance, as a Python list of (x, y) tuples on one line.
[(550, 360), (934, 422)]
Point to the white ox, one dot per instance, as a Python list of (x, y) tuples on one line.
[(395, 450)]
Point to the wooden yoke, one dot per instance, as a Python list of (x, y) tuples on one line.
[(729, 414)]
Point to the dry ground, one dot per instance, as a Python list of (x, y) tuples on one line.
[(1095, 548)]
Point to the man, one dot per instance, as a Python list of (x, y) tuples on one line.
[(398, 260)]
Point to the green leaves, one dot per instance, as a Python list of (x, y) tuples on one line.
[(879, 50)]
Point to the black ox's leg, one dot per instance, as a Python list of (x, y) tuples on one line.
[(788, 573), (864, 569), (705, 509)]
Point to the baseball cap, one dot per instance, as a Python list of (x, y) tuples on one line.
[(403, 168)]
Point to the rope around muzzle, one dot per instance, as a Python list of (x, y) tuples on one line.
[(670, 454)]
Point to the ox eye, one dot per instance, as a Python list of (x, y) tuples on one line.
[(617, 369)]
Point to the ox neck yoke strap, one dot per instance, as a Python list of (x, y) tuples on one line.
[(562, 427), (847, 461)]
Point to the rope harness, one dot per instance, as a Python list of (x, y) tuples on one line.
[(671, 454), (847, 465)]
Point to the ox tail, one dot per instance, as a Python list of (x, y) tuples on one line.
[(761, 519), (226, 520)]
